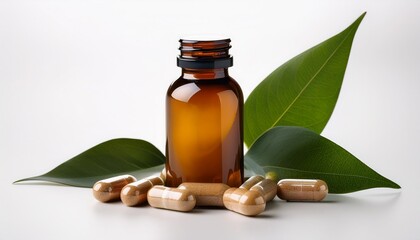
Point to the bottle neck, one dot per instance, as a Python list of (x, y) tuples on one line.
[(204, 74)]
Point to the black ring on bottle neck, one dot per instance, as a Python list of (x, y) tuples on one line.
[(203, 64)]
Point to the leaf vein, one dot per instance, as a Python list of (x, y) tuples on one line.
[(327, 173), (311, 80)]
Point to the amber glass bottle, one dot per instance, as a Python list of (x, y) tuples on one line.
[(204, 110)]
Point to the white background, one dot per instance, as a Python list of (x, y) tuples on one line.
[(76, 73)]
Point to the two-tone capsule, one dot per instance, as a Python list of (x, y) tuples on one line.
[(206, 194), (109, 189), (171, 198), (245, 202), (302, 189), (251, 182), (135, 193), (267, 188)]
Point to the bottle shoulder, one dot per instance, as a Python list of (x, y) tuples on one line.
[(222, 84), (235, 86), (182, 89)]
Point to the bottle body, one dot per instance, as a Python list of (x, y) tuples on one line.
[(204, 130)]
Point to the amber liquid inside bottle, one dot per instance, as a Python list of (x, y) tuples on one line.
[(204, 110)]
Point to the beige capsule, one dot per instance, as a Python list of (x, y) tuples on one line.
[(135, 193), (109, 189), (302, 189), (171, 198), (267, 188), (245, 202), (206, 194), (251, 182), (163, 174)]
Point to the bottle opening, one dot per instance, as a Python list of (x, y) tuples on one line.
[(204, 54)]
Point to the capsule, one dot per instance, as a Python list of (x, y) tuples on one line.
[(163, 175), (267, 188), (109, 189), (302, 189), (135, 193), (171, 198), (251, 182), (206, 194), (245, 202)]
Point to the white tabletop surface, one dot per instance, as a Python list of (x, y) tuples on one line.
[(76, 73)]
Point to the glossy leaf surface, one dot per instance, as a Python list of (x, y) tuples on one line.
[(296, 152), (110, 158), (303, 91)]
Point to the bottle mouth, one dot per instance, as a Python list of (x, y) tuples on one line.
[(204, 54)]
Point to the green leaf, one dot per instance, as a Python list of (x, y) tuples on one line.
[(296, 152), (110, 158), (303, 91)]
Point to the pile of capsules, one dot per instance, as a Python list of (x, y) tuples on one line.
[(249, 199)]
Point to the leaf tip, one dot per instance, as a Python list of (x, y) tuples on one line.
[(25, 179), (392, 184), (362, 16), (18, 181), (359, 19), (396, 186)]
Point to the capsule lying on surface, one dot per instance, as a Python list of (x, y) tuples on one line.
[(245, 202), (206, 194), (302, 189), (267, 188), (109, 189), (251, 182), (171, 198), (163, 174), (135, 193)]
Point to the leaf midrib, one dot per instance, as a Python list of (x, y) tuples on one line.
[(311, 80), (328, 173)]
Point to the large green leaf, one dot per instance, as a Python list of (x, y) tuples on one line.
[(296, 152), (303, 91), (110, 158)]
